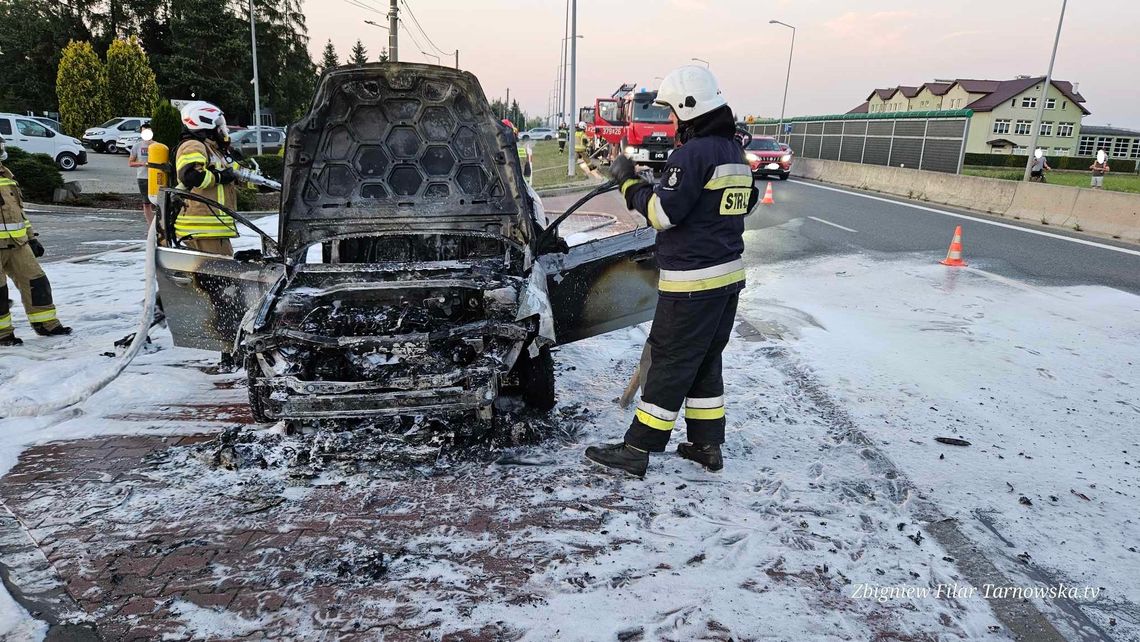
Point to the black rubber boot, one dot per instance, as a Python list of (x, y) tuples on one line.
[(620, 457), (11, 340), (44, 331), (707, 455)]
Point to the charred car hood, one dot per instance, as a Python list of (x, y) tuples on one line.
[(400, 147)]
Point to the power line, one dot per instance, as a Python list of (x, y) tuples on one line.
[(413, 37), (417, 23), (357, 3)]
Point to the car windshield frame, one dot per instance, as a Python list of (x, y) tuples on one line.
[(114, 122), (640, 109), (773, 145)]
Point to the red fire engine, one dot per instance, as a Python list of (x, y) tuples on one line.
[(628, 122)]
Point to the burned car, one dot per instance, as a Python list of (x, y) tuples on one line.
[(411, 273)]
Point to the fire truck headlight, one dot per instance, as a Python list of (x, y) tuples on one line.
[(629, 150)]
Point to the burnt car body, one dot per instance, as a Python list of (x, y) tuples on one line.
[(432, 294)]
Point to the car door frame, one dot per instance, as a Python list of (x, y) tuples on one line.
[(49, 145)]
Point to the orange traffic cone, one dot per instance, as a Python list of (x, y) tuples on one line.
[(954, 254), (768, 195)]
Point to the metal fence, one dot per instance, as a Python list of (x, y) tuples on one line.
[(934, 141)]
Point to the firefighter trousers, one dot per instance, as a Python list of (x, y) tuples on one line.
[(20, 265), (685, 348)]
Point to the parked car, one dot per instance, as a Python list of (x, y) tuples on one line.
[(105, 137), (50, 122), (34, 137), (538, 133), (127, 141), (767, 156), (245, 141), (431, 289)]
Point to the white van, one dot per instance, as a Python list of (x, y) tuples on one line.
[(34, 137), (105, 137)]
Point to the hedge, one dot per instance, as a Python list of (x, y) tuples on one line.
[(272, 166), (37, 174), (1056, 162)]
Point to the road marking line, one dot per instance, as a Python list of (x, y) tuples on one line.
[(1102, 246), (845, 229), (1014, 283)]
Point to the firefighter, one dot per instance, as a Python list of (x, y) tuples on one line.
[(563, 134), (203, 168), (19, 249), (580, 141), (523, 152), (698, 208)]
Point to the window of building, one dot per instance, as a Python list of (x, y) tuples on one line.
[(1050, 103), (1060, 151), (1020, 149), (1065, 130), (1087, 146), (1120, 149), (1001, 126), (1023, 127), (1064, 104), (1104, 142), (1046, 128), (1136, 148), (1029, 101)]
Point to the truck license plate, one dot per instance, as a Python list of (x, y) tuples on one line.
[(657, 156)]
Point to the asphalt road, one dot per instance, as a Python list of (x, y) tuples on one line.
[(105, 173), (837, 221), (68, 235)]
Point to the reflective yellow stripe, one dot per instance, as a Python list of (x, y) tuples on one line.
[(701, 284), (653, 422), (42, 317), (522, 152), (221, 193), (657, 216), (704, 413), (5, 182), (729, 181), (5, 322), (207, 180), (193, 157), (628, 184), (14, 230)]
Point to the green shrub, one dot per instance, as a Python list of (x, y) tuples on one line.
[(166, 123), (246, 199), (272, 166), (37, 174)]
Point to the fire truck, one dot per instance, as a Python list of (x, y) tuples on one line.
[(630, 123)]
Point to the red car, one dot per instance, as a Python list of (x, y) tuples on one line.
[(766, 156)]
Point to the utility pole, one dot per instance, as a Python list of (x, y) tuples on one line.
[(256, 80), (562, 66), (573, 77), (457, 59), (393, 25), (787, 78), (1044, 93)]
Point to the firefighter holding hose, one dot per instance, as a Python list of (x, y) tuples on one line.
[(202, 168), (698, 208)]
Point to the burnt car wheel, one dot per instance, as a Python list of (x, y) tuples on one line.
[(257, 393), (536, 378)]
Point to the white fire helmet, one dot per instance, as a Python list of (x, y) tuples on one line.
[(1101, 156), (582, 124), (201, 116), (691, 91)]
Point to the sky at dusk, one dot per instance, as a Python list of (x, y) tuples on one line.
[(844, 48)]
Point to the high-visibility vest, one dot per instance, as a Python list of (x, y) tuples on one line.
[(198, 220), (14, 226), (579, 141)]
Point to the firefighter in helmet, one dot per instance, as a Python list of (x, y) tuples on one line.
[(698, 208), (580, 141), (203, 168), (19, 249), (523, 152)]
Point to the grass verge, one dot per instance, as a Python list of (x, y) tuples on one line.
[(1112, 182)]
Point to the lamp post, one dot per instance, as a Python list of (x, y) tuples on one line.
[(1044, 92), (256, 80), (432, 55), (573, 77), (701, 60), (787, 79)]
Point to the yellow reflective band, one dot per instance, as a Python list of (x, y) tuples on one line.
[(699, 285), (5, 322), (13, 232), (704, 413), (41, 317), (653, 422), (629, 182), (657, 216), (193, 157), (4, 182), (522, 152), (729, 181), (221, 193), (207, 180)]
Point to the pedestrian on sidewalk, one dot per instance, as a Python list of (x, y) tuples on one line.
[(138, 160), (19, 249), (698, 208), (1039, 167), (1099, 169)]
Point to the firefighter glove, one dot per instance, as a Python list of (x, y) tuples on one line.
[(37, 247), (621, 170), (225, 176)]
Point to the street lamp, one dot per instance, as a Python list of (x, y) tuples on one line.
[(787, 78), (256, 80), (573, 74), (700, 60), (1044, 92), (374, 24), (432, 55)]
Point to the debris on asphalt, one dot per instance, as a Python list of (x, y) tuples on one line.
[(1025, 501), (1081, 495), (951, 441)]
